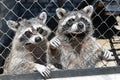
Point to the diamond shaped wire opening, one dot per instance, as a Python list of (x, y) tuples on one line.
[(103, 23)]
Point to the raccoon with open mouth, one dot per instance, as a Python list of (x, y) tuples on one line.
[(28, 32), (74, 47)]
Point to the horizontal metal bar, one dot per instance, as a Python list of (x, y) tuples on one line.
[(64, 74)]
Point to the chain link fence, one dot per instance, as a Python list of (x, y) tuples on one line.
[(104, 19)]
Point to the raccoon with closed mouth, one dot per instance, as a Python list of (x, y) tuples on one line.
[(28, 32), (74, 47)]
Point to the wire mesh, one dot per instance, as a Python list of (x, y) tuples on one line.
[(104, 19)]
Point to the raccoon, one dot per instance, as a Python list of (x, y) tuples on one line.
[(28, 32), (74, 46)]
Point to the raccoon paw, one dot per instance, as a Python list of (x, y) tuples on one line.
[(55, 42), (107, 54), (52, 67), (44, 71)]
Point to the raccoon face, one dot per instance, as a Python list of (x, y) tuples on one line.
[(31, 31), (75, 22)]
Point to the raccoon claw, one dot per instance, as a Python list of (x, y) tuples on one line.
[(107, 54), (55, 42), (44, 71)]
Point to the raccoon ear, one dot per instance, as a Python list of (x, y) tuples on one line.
[(60, 12), (12, 25), (88, 10), (43, 16)]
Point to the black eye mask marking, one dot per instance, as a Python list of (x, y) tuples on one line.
[(84, 21), (28, 34), (45, 33), (23, 38), (71, 20), (68, 24), (42, 32)]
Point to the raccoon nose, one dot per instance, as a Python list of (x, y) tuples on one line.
[(38, 39), (80, 26)]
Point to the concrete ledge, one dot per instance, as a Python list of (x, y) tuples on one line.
[(64, 74)]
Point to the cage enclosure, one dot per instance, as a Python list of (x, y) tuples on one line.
[(103, 19)]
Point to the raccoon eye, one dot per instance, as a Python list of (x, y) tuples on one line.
[(44, 33), (70, 22), (28, 34), (65, 27), (40, 30), (84, 20)]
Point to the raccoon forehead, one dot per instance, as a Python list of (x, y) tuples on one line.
[(44, 27), (35, 26), (79, 15), (23, 30), (68, 18), (28, 29)]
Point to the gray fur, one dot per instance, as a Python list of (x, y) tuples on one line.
[(74, 47), (21, 59)]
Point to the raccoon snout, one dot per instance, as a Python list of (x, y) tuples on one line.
[(38, 39), (80, 26)]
